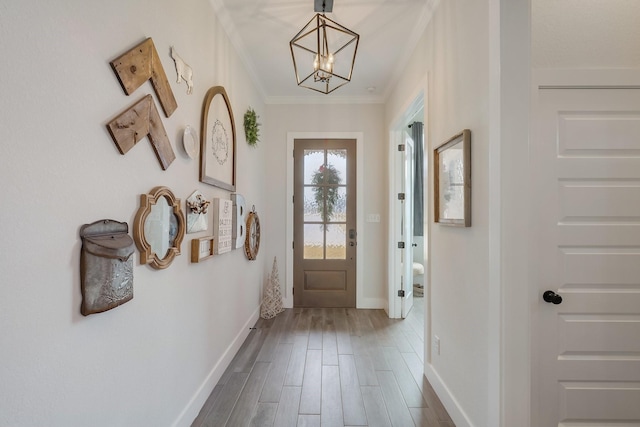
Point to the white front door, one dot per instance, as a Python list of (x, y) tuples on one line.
[(585, 156)]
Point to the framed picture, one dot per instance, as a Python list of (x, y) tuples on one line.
[(218, 141), (452, 181), (202, 248)]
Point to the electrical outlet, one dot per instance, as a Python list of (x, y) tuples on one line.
[(436, 345)]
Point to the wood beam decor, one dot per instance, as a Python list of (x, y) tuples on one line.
[(140, 64), (140, 120)]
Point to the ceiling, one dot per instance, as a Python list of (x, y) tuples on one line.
[(260, 30)]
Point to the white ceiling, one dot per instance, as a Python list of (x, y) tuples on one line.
[(260, 30)]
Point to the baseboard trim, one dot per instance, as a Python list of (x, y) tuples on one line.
[(378, 303), (450, 403), (191, 411)]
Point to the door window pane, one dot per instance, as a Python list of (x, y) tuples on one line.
[(338, 211), (338, 160), (313, 161), (311, 207), (313, 241), (336, 241)]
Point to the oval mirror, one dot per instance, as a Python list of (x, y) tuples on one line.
[(159, 228)]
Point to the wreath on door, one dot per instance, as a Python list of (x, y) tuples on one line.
[(326, 177)]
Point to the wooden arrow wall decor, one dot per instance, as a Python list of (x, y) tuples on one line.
[(140, 120), (140, 64)]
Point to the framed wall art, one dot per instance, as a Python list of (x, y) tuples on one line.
[(218, 141), (452, 181), (223, 225), (202, 248)]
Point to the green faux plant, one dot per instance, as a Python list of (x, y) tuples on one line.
[(325, 181), (251, 127)]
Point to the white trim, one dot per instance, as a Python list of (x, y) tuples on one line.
[(606, 78), (359, 137), (451, 404), (191, 411)]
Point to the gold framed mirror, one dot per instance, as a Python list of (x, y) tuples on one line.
[(159, 227)]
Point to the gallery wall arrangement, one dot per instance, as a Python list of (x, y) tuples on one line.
[(160, 223)]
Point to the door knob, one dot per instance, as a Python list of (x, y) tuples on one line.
[(551, 297)]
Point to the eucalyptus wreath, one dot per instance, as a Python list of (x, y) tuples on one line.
[(251, 127), (326, 178)]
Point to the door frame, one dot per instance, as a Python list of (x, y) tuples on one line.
[(361, 301), (418, 99)]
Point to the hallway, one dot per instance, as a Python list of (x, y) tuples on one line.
[(328, 367)]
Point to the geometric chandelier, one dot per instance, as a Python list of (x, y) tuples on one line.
[(323, 52)]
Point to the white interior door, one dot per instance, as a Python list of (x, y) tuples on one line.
[(586, 230), (406, 226)]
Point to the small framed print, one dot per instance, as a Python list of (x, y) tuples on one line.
[(218, 141), (452, 181), (202, 248)]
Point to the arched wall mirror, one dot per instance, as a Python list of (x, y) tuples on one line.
[(159, 228)]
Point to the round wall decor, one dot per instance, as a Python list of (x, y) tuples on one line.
[(252, 240)]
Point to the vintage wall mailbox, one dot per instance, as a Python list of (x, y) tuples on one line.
[(106, 266)]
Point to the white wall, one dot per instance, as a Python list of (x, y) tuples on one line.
[(451, 64), (155, 359), (368, 119), (585, 34)]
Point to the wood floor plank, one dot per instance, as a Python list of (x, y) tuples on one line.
[(223, 406), (287, 415), (289, 329), (312, 383), (295, 370), (264, 414), (275, 380), (410, 391), (329, 342), (417, 344), (424, 417), (331, 403), (415, 367), (245, 358), (375, 407), (272, 338), (315, 329), (352, 404), (308, 420), (248, 399), (343, 335), (433, 401), (364, 362), (380, 322), (208, 405), (353, 322), (396, 407), (304, 322)]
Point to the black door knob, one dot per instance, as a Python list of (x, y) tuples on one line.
[(552, 297)]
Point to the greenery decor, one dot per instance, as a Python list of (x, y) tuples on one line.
[(326, 177), (251, 127)]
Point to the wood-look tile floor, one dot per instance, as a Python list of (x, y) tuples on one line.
[(328, 367)]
